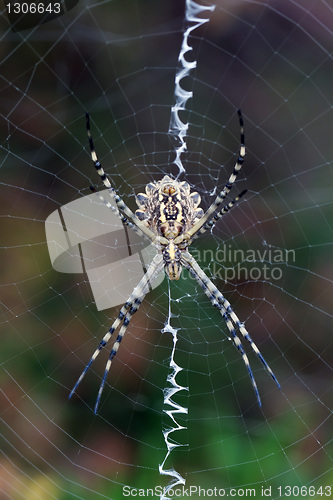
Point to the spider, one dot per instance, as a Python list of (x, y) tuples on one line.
[(169, 216)]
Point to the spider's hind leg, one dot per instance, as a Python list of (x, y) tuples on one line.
[(240, 347), (102, 344), (229, 316), (126, 312), (115, 347), (247, 336)]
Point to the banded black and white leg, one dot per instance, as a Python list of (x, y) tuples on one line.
[(125, 314), (229, 316), (212, 221), (122, 207), (123, 219), (231, 181)]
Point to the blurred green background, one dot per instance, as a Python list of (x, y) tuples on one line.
[(118, 59)]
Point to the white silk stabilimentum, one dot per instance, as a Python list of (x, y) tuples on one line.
[(178, 130)]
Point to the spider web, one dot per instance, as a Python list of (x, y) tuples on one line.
[(271, 256)]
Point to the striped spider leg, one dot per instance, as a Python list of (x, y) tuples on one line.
[(123, 219), (170, 217), (212, 221), (231, 319), (204, 223), (131, 219), (125, 314)]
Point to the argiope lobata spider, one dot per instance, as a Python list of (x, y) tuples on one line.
[(169, 216)]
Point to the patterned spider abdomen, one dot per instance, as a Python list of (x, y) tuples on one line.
[(169, 208)]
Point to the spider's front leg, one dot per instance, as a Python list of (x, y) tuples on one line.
[(229, 316), (221, 196), (122, 207), (123, 219), (126, 312)]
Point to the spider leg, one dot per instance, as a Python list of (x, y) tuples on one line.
[(209, 289), (212, 221), (123, 219), (247, 336), (124, 316), (102, 344), (122, 207), (136, 304), (229, 316), (231, 181)]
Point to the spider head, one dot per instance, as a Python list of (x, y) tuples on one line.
[(171, 256), (169, 189)]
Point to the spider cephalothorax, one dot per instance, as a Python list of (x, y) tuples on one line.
[(169, 216)]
